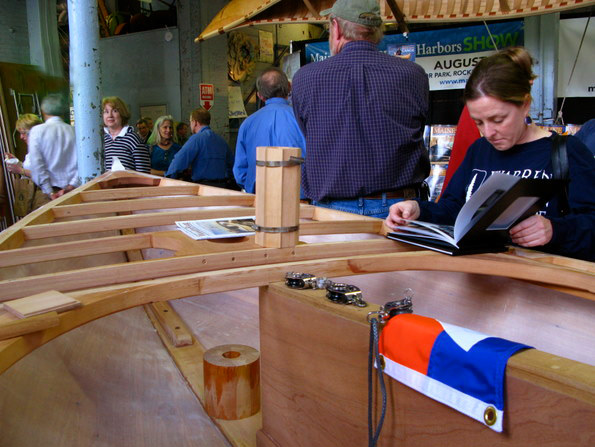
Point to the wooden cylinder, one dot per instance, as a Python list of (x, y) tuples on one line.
[(277, 197), (232, 381)]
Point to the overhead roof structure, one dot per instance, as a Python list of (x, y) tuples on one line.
[(240, 13)]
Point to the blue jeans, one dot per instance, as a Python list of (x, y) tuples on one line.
[(365, 207)]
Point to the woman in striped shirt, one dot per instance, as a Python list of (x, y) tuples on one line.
[(120, 140)]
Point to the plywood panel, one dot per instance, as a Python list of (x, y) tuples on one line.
[(314, 383), (108, 383)]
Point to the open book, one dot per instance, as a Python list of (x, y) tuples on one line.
[(217, 228), (483, 222)]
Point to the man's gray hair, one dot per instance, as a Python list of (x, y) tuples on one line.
[(273, 83), (354, 31), (54, 104)]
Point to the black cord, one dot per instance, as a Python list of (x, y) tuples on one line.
[(374, 354)]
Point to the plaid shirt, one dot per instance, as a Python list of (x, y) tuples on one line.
[(363, 113)]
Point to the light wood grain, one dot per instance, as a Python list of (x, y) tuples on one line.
[(171, 323), (41, 303), (27, 325), (316, 394), (231, 381), (277, 196)]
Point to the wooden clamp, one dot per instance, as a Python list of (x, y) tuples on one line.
[(278, 177)]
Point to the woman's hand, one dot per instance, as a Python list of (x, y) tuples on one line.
[(532, 232), (13, 164), (407, 209)]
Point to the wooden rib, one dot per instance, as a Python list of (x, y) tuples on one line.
[(399, 16), (24, 326), (133, 221), (159, 268), (311, 9), (64, 250), (151, 204), (131, 193), (140, 220), (341, 227), (496, 265), (504, 7), (10, 240)]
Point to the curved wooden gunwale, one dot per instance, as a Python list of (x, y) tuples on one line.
[(101, 302)]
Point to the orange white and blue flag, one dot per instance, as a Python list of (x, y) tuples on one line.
[(459, 367)]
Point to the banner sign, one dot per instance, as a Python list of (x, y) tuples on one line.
[(447, 55), (582, 83)]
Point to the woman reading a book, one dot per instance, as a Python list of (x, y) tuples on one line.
[(498, 96)]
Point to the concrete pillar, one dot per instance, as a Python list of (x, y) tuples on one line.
[(86, 86)]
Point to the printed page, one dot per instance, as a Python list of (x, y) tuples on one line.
[(429, 230), (217, 228)]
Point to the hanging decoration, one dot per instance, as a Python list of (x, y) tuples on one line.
[(241, 56)]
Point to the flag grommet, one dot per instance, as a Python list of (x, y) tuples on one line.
[(490, 416)]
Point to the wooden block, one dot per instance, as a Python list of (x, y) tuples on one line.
[(232, 381), (28, 325), (171, 323), (41, 303), (277, 196)]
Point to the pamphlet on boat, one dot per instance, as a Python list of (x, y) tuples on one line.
[(217, 228)]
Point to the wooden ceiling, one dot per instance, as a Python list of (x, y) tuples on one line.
[(240, 13)]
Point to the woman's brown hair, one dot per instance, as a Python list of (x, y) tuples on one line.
[(506, 75)]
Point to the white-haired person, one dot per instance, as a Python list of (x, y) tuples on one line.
[(51, 156), (163, 144)]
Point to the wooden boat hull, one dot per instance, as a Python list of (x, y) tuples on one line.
[(111, 245)]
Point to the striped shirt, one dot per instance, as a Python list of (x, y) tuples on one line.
[(129, 148)]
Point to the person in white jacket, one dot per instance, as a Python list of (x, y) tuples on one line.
[(52, 157)]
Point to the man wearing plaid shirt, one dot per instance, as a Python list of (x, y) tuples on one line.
[(362, 113)]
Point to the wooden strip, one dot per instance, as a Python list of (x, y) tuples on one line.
[(11, 239), (41, 303), (159, 268), (341, 227), (134, 221), (29, 325), (141, 220), (131, 193), (171, 323), (301, 257), (64, 250), (151, 204), (189, 360)]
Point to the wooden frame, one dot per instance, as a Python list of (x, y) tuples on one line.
[(91, 244)]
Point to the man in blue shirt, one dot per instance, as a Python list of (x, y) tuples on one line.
[(273, 125), (205, 153), (362, 113)]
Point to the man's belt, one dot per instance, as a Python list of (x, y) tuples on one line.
[(403, 193)]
